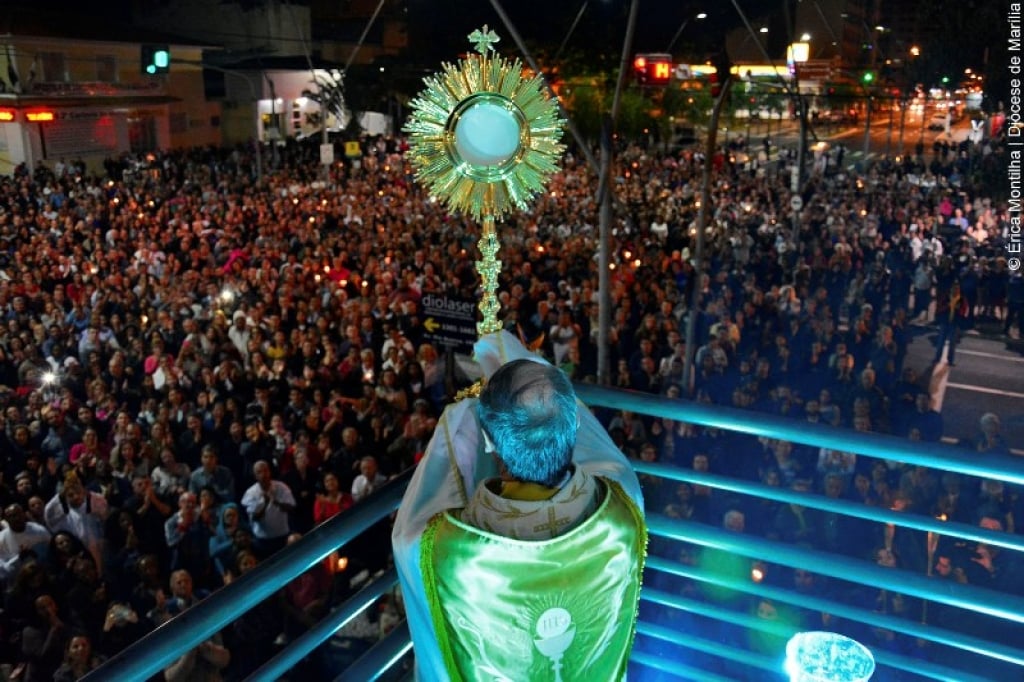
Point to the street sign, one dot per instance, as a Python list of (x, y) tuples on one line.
[(796, 203), (682, 72), (449, 322), (815, 70), (326, 154)]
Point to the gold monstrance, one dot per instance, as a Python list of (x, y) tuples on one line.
[(484, 138)]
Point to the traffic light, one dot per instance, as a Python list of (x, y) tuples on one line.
[(155, 59), (640, 69), (653, 69), (716, 84), (868, 77), (723, 67)]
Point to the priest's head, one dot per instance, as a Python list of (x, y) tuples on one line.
[(527, 411)]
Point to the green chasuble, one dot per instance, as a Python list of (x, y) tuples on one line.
[(560, 609)]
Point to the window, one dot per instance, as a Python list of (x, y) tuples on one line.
[(106, 68), (179, 122), (52, 67)]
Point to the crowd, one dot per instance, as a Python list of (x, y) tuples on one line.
[(197, 368)]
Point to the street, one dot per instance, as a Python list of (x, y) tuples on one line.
[(988, 376), (883, 137)]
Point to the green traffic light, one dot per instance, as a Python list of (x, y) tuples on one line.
[(151, 69), (868, 76), (945, 79), (161, 59)]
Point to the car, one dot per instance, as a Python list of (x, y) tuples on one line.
[(938, 122)]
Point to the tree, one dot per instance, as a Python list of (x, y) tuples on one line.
[(586, 105), (694, 105), (330, 95), (634, 113)]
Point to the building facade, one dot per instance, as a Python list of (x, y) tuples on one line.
[(91, 99)]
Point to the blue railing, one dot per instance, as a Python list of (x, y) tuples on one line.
[(659, 647), (160, 648)]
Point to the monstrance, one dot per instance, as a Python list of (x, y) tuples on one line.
[(485, 139)]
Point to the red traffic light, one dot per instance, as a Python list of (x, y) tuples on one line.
[(716, 85), (653, 69)]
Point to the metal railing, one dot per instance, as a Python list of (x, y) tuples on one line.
[(660, 647), (163, 646)]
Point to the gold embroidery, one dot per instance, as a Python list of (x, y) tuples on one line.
[(578, 489), (471, 391), (534, 519), (553, 524)]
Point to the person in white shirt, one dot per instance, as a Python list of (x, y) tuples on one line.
[(80, 512), (368, 480), (269, 503), (172, 477), (18, 535), (239, 334), (564, 334)]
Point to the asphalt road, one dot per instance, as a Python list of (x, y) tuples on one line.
[(883, 138), (988, 376)]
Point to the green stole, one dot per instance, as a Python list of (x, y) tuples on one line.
[(560, 609)]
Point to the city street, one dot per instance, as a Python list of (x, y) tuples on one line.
[(884, 136), (988, 376)]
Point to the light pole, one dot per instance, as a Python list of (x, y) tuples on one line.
[(908, 88), (700, 17), (703, 211), (572, 29), (798, 53), (867, 80), (255, 103)]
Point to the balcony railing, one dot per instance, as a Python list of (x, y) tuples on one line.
[(681, 630)]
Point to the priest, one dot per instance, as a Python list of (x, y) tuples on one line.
[(520, 541)]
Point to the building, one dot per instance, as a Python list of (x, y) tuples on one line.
[(92, 99), (74, 85)]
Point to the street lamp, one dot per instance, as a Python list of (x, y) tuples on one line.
[(700, 17), (256, 104), (910, 73), (797, 54)]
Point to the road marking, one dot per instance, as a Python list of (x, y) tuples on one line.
[(937, 386), (980, 354), (985, 389)]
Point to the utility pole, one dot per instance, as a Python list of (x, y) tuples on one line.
[(867, 127), (904, 101), (702, 221), (604, 192), (255, 104)]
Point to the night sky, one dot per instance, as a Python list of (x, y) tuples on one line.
[(601, 27)]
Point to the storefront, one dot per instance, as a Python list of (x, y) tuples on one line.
[(49, 131)]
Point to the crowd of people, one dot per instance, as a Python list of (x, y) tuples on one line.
[(196, 368)]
